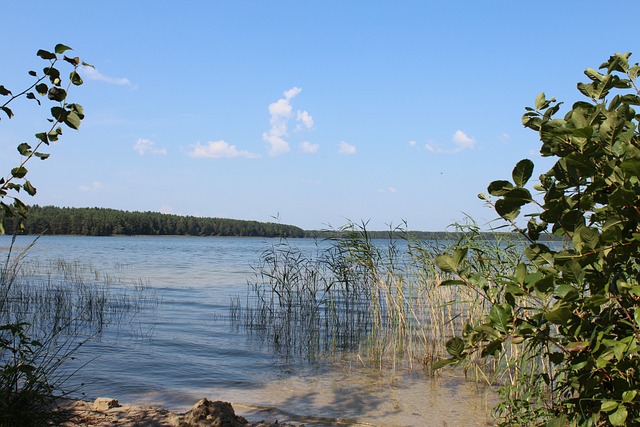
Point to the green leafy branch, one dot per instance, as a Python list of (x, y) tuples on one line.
[(575, 308), (50, 84)]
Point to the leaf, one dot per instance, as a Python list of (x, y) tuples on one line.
[(4, 91), (42, 136), (636, 315), (75, 78), (629, 395), (541, 101), (455, 347), (559, 316), (72, 120), (439, 364), (7, 111), (452, 283), (30, 189), (42, 89), (559, 421), (492, 348), (24, 149), (509, 209), (75, 61), (446, 263), (60, 48), (577, 346), (57, 94), (499, 188), (522, 172), (500, 316), (619, 417), (19, 172), (608, 405), (45, 54)]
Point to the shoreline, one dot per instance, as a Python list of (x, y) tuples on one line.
[(104, 412)]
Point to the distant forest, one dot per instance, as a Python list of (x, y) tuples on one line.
[(107, 222), (51, 220)]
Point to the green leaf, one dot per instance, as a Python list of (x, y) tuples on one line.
[(42, 89), (19, 172), (42, 136), (75, 78), (608, 405), (636, 315), (455, 347), (500, 317), (452, 282), (30, 189), (509, 209), (7, 111), (619, 417), (522, 172), (60, 114), (559, 421), (57, 94), (499, 188), (559, 316), (629, 395), (4, 91), (450, 263), (72, 120), (60, 48), (492, 349), (439, 364), (45, 54), (24, 149)]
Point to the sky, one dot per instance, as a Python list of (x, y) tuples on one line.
[(311, 113)]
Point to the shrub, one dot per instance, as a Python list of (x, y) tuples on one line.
[(576, 307)]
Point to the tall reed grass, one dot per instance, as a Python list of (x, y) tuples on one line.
[(48, 310), (380, 301)]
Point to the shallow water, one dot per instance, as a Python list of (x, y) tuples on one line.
[(185, 348)]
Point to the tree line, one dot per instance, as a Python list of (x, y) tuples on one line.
[(52, 220)]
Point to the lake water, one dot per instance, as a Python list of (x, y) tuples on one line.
[(186, 347)]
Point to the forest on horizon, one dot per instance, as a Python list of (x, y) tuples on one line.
[(52, 220)]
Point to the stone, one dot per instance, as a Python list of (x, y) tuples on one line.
[(104, 404), (207, 413)]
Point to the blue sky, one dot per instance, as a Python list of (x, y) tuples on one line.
[(312, 112)]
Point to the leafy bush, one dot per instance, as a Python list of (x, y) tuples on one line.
[(26, 364), (575, 307)]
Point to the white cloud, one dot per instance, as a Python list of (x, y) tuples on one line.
[(292, 92), (308, 147), (346, 148), (217, 150), (281, 112), (93, 74), (144, 146), (412, 143), (504, 137), (277, 145), (305, 118), (387, 190), (94, 186), (463, 141)]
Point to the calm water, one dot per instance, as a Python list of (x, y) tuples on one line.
[(186, 348)]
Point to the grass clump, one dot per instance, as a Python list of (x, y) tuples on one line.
[(47, 312)]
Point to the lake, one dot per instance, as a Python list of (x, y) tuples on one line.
[(185, 347)]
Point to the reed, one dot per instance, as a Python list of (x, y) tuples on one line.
[(380, 302), (48, 310)]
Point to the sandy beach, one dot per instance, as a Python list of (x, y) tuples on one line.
[(104, 412)]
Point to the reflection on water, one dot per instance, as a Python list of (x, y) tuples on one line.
[(186, 348)]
